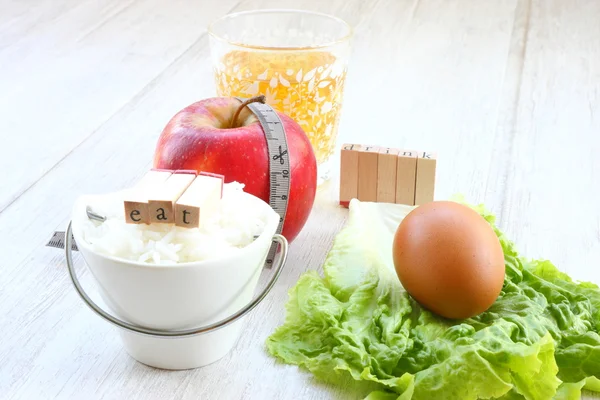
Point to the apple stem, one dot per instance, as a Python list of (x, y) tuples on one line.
[(261, 98)]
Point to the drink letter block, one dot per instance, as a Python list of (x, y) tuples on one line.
[(348, 173), (386, 175), (425, 177), (367, 173), (406, 177)]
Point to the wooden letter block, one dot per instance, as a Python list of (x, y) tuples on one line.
[(200, 199), (386, 175), (367, 173), (221, 177), (348, 173), (162, 199), (136, 199), (406, 174), (425, 177)]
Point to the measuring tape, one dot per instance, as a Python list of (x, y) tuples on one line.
[(279, 163)]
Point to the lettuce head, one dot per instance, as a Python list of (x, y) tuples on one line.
[(539, 340)]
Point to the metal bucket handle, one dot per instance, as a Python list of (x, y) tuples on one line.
[(173, 333)]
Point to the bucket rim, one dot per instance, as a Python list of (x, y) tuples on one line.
[(279, 264)]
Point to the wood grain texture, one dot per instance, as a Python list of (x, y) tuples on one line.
[(506, 92), (425, 177), (552, 192), (348, 173), (368, 157), (406, 177), (387, 164), (68, 59)]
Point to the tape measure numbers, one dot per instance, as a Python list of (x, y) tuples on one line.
[(279, 163)]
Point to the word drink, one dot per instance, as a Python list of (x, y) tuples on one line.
[(386, 175)]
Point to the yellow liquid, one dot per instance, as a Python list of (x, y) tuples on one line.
[(307, 86)]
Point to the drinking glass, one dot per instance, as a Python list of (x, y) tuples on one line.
[(297, 59)]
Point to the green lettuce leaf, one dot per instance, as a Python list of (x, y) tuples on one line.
[(540, 339)]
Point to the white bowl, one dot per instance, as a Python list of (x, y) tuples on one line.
[(178, 296)]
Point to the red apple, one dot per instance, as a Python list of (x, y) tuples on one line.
[(200, 137)]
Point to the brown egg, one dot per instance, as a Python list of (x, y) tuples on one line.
[(449, 259)]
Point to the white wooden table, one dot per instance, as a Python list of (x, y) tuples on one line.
[(507, 91)]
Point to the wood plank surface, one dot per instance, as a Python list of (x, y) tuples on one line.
[(552, 193), (68, 59), (505, 92)]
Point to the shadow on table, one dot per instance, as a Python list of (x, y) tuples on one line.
[(345, 388)]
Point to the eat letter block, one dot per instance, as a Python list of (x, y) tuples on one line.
[(348, 173), (425, 177), (367, 173), (386, 175), (200, 199), (136, 199), (406, 174), (161, 202)]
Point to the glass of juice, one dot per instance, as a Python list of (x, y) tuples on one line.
[(297, 59)]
